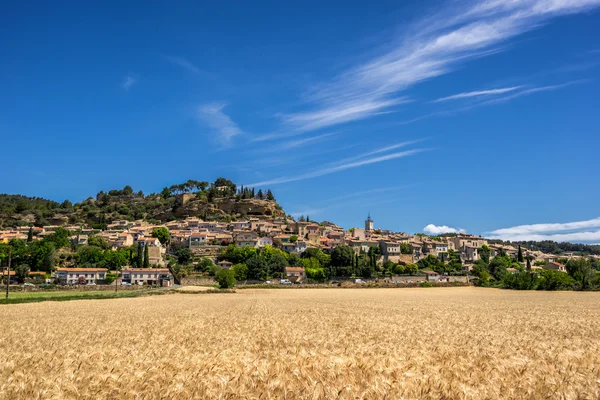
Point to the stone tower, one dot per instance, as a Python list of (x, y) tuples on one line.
[(369, 223)]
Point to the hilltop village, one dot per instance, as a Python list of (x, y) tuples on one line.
[(212, 227)]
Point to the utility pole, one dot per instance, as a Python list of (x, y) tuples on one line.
[(8, 273)]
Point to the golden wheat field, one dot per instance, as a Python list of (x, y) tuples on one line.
[(437, 343)]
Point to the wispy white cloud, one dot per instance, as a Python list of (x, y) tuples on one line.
[(370, 192), (378, 151), (485, 101), (184, 63), (292, 144), (532, 91), (454, 36), (308, 211), (477, 94), (128, 82), (355, 203), (338, 168), (213, 115), (560, 232), (440, 229), (545, 228), (573, 237)]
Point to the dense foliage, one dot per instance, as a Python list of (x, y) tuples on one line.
[(123, 204), (550, 247), (582, 274)]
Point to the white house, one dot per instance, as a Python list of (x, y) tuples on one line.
[(83, 276)]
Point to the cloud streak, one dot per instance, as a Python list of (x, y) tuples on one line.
[(497, 100), (128, 82), (452, 37), (184, 63), (477, 94), (337, 168), (221, 123), (293, 144)]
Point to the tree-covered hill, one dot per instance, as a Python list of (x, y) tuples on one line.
[(221, 200), (550, 247)]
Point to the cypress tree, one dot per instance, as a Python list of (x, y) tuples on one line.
[(139, 260), (146, 258), (30, 234), (520, 255), (528, 264)]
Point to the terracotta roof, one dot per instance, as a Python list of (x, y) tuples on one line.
[(81, 269), (430, 272), (146, 269)]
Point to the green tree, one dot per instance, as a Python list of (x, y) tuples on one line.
[(341, 257), (162, 234), (411, 268), (497, 267), (139, 259), (225, 278), (98, 242), (166, 193), (485, 253), (146, 257), (555, 280), (127, 190), (480, 270), (293, 259), (293, 239), (580, 269), (204, 264), (115, 260), (184, 255), (60, 238), (405, 248), (520, 255), (240, 272), (316, 274), (30, 235), (521, 281), (21, 272), (42, 256), (90, 256), (257, 267)]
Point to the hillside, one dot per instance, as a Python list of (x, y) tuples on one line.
[(217, 201)]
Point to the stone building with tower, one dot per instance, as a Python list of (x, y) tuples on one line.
[(369, 224)]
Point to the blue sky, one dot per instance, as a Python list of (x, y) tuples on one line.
[(473, 115)]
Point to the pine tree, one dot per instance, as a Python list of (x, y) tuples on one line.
[(252, 192), (270, 195), (520, 255), (146, 257), (30, 234), (260, 194)]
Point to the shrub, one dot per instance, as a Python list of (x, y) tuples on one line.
[(316, 274), (225, 278)]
